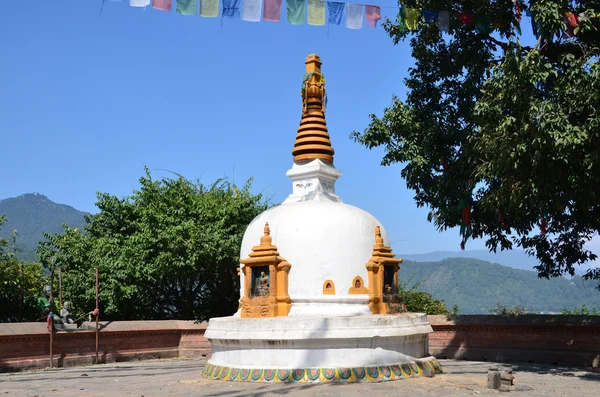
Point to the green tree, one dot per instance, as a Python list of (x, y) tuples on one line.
[(20, 284), (168, 251), (419, 301), (500, 138)]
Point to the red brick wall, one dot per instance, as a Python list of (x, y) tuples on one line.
[(27, 345), (568, 340), (542, 339)]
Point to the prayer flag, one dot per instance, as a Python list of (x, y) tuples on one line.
[(186, 7), (430, 16), (231, 8), (296, 10), (272, 11), (336, 12), (316, 12), (443, 21), (354, 16), (373, 15), (209, 8), (139, 3), (465, 17), (482, 24), (251, 10), (412, 18), (164, 5)]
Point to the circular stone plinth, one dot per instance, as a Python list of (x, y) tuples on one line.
[(370, 348), (422, 367)]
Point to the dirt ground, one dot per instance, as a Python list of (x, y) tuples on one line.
[(182, 378)]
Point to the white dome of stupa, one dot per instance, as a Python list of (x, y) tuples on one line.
[(324, 241)]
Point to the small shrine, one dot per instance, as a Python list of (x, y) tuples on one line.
[(318, 296)]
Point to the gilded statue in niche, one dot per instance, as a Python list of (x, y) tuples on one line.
[(261, 287)]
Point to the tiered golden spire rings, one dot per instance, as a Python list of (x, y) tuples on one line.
[(312, 140)]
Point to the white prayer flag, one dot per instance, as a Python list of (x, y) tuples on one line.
[(139, 3), (251, 10), (354, 16)]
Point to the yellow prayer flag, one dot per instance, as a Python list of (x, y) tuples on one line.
[(209, 8), (316, 12), (412, 18)]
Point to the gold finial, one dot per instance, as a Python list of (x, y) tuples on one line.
[(312, 139), (266, 239), (378, 238)]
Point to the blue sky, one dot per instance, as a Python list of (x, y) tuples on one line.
[(87, 101)]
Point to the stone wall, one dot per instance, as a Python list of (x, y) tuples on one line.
[(542, 339), (27, 345)]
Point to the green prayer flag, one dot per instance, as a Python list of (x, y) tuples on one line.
[(296, 9), (209, 8), (186, 7)]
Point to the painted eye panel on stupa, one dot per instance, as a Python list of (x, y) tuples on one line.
[(317, 291)]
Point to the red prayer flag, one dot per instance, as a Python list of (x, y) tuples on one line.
[(272, 10), (465, 17), (373, 15), (164, 5)]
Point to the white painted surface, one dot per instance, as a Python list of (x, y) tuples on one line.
[(322, 240), (318, 342)]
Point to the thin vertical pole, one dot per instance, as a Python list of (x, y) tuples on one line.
[(97, 315), (21, 298), (60, 287), (51, 314)]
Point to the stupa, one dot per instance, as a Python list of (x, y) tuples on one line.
[(314, 275)]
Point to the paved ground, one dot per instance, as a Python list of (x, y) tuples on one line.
[(182, 378)]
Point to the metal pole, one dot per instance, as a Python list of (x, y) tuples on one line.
[(60, 287), (97, 315), (21, 293), (51, 313)]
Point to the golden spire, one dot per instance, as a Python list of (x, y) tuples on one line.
[(312, 140), (266, 238)]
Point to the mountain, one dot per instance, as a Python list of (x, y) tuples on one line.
[(517, 259), (31, 215), (476, 286)]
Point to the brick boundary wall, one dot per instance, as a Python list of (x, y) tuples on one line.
[(27, 345), (540, 339)]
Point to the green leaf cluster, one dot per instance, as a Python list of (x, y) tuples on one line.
[(512, 129), (20, 285), (168, 251)]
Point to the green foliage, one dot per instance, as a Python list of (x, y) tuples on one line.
[(581, 311), (32, 215), (514, 129), (503, 310), (477, 286), (168, 251), (418, 301), (20, 285)]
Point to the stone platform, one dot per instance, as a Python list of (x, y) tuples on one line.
[(320, 349), (182, 378)]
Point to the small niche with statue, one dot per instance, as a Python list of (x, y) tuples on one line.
[(383, 279), (265, 281)]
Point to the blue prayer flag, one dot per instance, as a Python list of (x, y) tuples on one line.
[(336, 12), (430, 16), (231, 8)]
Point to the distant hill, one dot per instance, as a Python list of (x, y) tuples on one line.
[(517, 259), (31, 215), (476, 286)]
